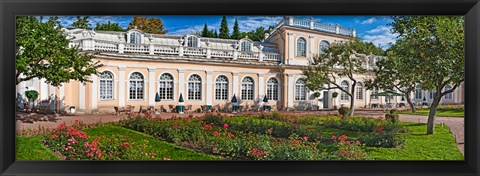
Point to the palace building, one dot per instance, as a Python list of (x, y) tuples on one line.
[(210, 71)]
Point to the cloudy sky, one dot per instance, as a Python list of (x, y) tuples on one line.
[(369, 28)]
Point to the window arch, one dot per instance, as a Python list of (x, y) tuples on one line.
[(166, 87), (301, 47), (272, 89), (136, 87), (221, 88), (195, 87), (135, 38), (192, 41), (359, 91), (322, 46), (448, 96), (418, 92), (248, 86), (106, 85), (300, 90), (345, 86), (375, 91), (245, 46)]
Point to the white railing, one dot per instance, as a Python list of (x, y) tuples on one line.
[(105, 46), (161, 49), (222, 53), (248, 55), (136, 48), (302, 23), (273, 57), (193, 51), (324, 27), (317, 26), (344, 31)]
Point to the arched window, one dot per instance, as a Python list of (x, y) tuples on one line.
[(192, 41), (166, 87), (301, 47), (300, 90), (248, 88), (135, 38), (272, 89), (221, 88), (449, 96), (344, 95), (432, 94), (322, 46), (375, 91), (245, 46), (106, 85), (136, 86), (195, 87), (359, 91), (418, 92)]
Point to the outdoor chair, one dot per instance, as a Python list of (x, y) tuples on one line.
[(118, 110), (188, 109), (171, 108)]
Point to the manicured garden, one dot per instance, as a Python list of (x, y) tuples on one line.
[(442, 111), (272, 136)]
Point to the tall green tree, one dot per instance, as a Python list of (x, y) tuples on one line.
[(236, 30), (215, 34), (205, 32), (339, 60), (436, 47), (82, 22), (108, 27), (224, 29), (148, 25), (42, 51)]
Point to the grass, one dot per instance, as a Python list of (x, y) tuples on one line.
[(440, 112), (418, 146), (31, 148), (142, 142)]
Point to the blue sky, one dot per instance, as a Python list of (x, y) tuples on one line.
[(369, 28)]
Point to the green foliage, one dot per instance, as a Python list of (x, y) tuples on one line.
[(317, 94), (206, 33), (334, 94), (108, 27), (236, 30), (344, 111), (42, 51), (81, 23), (149, 25), (31, 94), (224, 29), (384, 140)]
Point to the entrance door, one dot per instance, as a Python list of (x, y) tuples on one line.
[(325, 99)]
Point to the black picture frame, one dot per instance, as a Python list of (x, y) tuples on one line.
[(9, 9)]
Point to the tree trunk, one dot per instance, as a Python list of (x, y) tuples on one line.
[(409, 101), (352, 109), (433, 111)]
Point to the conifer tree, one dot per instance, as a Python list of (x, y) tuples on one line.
[(236, 30), (223, 29)]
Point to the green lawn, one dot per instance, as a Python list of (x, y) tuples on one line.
[(31, 148), (440, 113), (419, 146), (142, 143)]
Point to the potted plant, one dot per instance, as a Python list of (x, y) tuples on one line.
[(334, 95), (72, 109), (317, 94), (32, 95)]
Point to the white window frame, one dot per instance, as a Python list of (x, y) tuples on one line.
[(418, 92), (375, 90), (300, 90), (134, 39), (359, 91), (343, 95), (166, 94), (221, 88), (192, 41), (272, 89), (248, 89), (196, 87), (322, 46), (448, 96), (300, 52), (136, 82), (104, 82)]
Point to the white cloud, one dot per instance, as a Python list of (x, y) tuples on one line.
[(380, 36), (369, 21)]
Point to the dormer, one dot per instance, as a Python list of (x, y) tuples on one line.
[(135, 36), (245, 45), (192, 40)]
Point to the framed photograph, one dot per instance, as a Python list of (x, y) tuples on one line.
[(273, 88)]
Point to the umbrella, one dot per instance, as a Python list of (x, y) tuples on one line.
[(234, 99), (181, 98), (387, 93), (265, 99), (157, 98)]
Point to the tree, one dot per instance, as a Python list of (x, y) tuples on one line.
[(215, 34), (436, 47), (393, 72), (148, 25), (42, 51), (108, 27), (205, 31), (223, 29), (341, 59), (82, 22), (236, 30)]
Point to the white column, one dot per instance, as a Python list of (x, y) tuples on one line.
[(94, 91), (290, 92), (81, 98), (367, 97), (121, 86), (261, 86), (312, 47), (209, 86), (61, 93), (291, 46), (151, 87), (181, 83), (43, 89), (235, 84)]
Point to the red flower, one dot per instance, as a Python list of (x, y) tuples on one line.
[(225, 126), (349, 117), (305, 138), (216, 133), (166, 159), (207, 127), (214, 148)]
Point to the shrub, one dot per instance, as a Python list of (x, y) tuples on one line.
[(344, 110), (213, 119), (348, 150), (386, 140)]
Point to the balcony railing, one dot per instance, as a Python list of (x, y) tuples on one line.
[(310, 24), (156, 49)]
